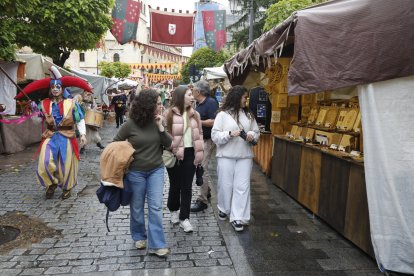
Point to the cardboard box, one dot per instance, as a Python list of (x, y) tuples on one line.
[(281, 100), (331, 116), (320, 120), (307, 99)]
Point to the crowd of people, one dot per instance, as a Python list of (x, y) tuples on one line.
[(192, 126)]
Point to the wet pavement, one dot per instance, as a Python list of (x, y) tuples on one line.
[(282, 239)]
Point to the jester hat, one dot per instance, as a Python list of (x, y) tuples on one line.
[(56, 77)]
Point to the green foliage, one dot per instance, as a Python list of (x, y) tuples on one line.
[(203, 57), (240, 29), (55, 27), (12, 12), (114, 69), (281, 10)]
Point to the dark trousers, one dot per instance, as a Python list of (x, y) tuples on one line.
[(181, 180), (119, 117)]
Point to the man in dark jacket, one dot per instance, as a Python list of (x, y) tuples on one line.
[(207, 107), (119, 102)]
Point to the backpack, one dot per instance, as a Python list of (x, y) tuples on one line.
[(113, 197)]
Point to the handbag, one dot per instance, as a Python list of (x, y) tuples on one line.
[(168, 157)]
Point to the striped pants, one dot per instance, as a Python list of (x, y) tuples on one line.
[(59, 172)]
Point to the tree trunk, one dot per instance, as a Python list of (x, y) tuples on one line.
[(60, 61)]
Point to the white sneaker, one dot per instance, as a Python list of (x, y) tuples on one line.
[(186, 225), (141, 244), (162, 252), (175, 217)]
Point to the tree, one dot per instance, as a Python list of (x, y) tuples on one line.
[(114, 69), (240, 29), (11, 13), (201, 58), (57, 27), (281, 10)]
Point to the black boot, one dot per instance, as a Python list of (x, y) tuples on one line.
[(66, 194), (198, 206), (50, 191), (100, 145)]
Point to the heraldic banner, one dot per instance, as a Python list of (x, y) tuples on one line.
[(173, 29), (214, 23), (125, 16)]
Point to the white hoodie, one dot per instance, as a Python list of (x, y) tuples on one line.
[(233, 147)]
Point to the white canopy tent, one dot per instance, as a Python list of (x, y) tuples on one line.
[(7, 87)]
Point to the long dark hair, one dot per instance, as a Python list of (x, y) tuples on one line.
[(143, 107), (178, 102), (232, 102)]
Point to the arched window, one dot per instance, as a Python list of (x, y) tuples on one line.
[(116, 57)]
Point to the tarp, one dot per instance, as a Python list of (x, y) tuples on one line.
[(37, 67), (387, 114), (99, 84), (7, 87), (337, 44), (211, 73)]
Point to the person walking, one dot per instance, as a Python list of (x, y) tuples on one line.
[(234, 131), (87, 102), (146, 132), (207, 107), (184, 124), (119, 102)]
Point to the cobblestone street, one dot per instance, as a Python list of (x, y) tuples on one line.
[(283, 238)]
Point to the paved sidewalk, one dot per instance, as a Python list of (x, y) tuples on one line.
[(283, 239), (86, 246)]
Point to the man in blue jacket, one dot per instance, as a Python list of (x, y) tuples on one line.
[(207, 107)]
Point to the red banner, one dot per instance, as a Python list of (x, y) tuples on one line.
[(173, 29)]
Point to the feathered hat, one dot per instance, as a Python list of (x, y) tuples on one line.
[(56, 77)]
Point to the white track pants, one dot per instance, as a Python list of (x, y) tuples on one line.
[(234, 187)]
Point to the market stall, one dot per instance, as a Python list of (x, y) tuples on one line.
[(348, 160)]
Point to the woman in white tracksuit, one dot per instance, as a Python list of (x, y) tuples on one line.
[(234, 156)]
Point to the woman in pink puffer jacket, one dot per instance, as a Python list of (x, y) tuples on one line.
[(184, 124)]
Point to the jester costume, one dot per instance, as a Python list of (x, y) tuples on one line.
[(59, 150)]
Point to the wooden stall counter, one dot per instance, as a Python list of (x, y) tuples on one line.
[(326, 182), (263, 152)]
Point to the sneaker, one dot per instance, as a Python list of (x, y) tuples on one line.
[(238, 227), (186, 225), (222, 216), (141, 244), (162, 252), (174, 217), (198, 206)]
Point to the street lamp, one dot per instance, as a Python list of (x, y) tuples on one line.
[(234, 7)]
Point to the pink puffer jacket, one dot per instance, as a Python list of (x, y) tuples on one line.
[(178, 131)]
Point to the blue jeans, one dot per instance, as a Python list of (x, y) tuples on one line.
[(148, 184)]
